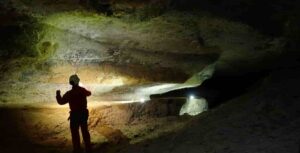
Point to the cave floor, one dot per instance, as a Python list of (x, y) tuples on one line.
[(44, 127)]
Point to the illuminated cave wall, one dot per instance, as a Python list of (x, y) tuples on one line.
[(128, 50)]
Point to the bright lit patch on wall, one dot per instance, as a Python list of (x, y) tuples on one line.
[(142, 100), (194, 106), (192, 97), (118, 82)]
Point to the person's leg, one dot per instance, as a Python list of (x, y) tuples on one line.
[(86, 137), (75, 136)]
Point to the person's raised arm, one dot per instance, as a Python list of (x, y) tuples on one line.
[(61, 100), (87, 93)]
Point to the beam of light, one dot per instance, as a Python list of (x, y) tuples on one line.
[(195, 80), (92, 104)]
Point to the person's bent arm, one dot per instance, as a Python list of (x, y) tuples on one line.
[(61, 100), (87, 93)]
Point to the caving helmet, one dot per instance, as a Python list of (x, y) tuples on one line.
[(74, 79)]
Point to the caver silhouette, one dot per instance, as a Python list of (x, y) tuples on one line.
[(77, 99)]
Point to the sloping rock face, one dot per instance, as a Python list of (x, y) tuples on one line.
[(263, 120)]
